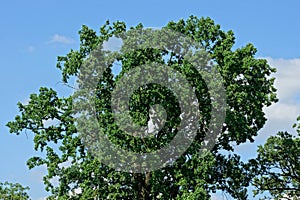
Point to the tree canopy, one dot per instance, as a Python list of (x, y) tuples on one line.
[(193, 175), (13, 191), (278, 166)]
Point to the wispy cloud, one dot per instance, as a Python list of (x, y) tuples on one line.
[(30, 49), (56, 38)]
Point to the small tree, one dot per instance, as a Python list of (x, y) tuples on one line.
[(13, 191), (278, 166)]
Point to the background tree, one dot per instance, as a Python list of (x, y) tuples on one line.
[(278, 166), (13, 191), (248, 90)]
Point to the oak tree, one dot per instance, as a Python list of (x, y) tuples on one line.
[(193, 175)]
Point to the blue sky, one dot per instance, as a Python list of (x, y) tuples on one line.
[(34, 33)]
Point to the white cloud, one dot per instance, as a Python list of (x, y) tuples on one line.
[(113, 44), (283, 111), (287, 78), (288, 90), (50, 122), (25, 101), (66, 164), (55, 181), (56, 38), (75, 191)]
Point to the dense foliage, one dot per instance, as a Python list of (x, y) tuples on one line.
[(278, 166), (13, 191), (248, 90)]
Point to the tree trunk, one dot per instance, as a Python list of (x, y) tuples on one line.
[(143, 186)]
